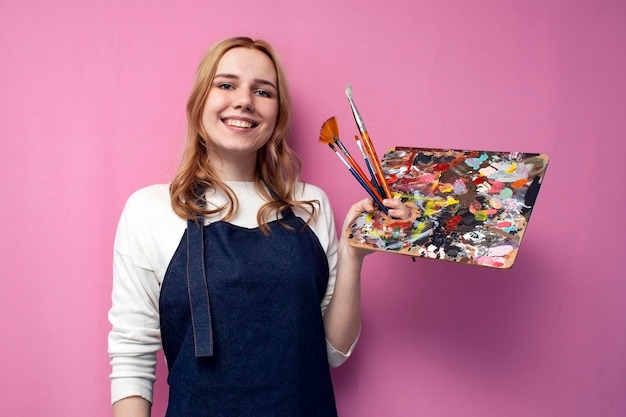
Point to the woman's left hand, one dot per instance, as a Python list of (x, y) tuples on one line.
[(396, 208)]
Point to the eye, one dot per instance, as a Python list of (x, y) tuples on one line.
[(263, 93), (225, 86)]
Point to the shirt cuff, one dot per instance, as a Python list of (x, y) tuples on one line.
[(130, 387), (336, 357)]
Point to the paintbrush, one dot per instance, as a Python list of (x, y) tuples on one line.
[(329, 135), (367, 143), (369, 165)]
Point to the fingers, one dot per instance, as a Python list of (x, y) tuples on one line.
[(365, 205), (397, 208)]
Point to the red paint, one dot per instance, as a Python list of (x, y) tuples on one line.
[(441, 167), (453, 223)]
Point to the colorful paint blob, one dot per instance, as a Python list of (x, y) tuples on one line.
[(468, 207)]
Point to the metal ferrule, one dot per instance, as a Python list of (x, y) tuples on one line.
[(357, 116)]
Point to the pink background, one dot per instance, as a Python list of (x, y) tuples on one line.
[(92, 101)]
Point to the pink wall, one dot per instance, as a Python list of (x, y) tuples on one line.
[(92, 102)]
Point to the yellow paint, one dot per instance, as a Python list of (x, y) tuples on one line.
[(512, 169)]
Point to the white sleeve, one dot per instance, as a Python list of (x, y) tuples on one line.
[(134, 338), (324, 228)]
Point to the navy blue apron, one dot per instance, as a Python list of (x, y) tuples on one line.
[(241, 324)]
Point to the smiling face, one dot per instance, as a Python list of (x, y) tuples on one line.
[(241, 108)]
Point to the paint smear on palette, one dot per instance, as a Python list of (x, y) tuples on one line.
[(467, 206)]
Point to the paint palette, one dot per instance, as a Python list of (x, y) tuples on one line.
[(468, 207)]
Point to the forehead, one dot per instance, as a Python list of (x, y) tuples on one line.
[(247, 63)]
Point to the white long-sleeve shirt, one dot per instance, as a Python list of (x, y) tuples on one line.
[(148, 234)]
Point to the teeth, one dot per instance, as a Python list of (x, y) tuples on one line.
[(238, 123)]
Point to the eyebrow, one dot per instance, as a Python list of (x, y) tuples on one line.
[(256, 80)]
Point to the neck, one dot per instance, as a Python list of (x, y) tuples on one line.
[(235, 169)]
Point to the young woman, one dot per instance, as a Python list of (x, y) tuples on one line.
[(234, 268)]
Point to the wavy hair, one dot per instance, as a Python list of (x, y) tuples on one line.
[(277, 165)]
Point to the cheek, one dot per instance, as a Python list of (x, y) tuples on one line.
[(272, 114), (212, 109), (215, 102)]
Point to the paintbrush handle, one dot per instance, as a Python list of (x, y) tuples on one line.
[(370, 192), (374, 182), (363, 183), (378, 170), (369, 166), (374, 188), (371, 185)]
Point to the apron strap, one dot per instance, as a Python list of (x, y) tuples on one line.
[(287, 212), (197, 287)]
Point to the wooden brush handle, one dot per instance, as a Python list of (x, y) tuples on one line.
[(359, 171), (378, 170)]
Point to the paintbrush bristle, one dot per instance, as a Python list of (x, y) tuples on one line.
[(330, 130), (349, 91)]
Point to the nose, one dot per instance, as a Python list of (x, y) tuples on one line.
[(244, 100)]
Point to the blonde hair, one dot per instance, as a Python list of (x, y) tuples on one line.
[(277, 165)]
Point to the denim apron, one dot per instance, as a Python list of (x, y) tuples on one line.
[(241, 324)]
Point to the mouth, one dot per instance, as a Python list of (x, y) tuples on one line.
[(240, 123)]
